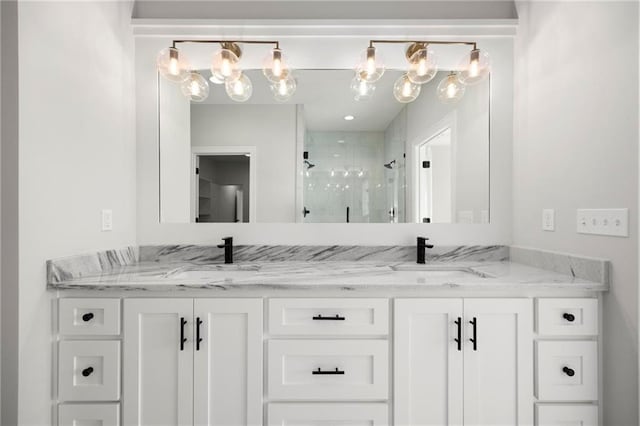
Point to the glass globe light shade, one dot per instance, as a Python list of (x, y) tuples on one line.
[(195, 87), (370, 67), (475, 67), (284, 88), (224, 66), (215, 80), (450, 90), (173, 64), (275, 66), (422, 66), (362, 89), (240, 89), (405, 90)]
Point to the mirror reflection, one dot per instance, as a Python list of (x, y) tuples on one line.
[(323, 156)]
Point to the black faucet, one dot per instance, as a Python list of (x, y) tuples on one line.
[(228, 249), (422, 245)]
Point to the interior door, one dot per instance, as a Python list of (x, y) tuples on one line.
[(428, 362), (498, 362), (158, 362), (228, 362)]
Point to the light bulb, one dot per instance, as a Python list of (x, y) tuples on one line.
[(284, 88), (475, 67), (405, 90), (224, 66), (173, 64), (450, 90), (362, 89), (422, 66), (240, 89), (195, 87), (275, 66), (370, 67)]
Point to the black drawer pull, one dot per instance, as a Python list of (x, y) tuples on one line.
[(568, 371), (198, 338), (335, 318), (474, 339), (569, 317), (87, 317), (87, 371), (458, 339), (329, 372), (183, 339)]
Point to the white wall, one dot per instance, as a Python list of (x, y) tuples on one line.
[(77, 156), (151, 231), (576, 146), (272, 130)]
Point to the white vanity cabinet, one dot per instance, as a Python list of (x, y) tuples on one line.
[(463, 361), (192, 361)]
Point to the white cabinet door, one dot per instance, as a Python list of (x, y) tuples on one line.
[(228, 362), (428, 362), (328, 414), (158, 365), (498, 362)]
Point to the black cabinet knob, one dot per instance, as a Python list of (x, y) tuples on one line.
[(569, 317), (569, 371), (87, 371), (87, 317)]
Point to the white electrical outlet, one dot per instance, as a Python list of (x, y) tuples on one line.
[(613, 222), (107, 220), (548, 220)]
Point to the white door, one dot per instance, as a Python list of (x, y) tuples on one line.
[(428, 362), (498, 362), (228, 362), (158, 362)]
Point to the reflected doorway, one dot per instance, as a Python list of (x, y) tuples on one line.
[(436, 174)]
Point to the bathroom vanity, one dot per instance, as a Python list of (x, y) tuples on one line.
[(469, 338)]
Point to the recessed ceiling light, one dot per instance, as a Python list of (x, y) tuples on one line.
[(349, 117), (341, 141), (336, 155)]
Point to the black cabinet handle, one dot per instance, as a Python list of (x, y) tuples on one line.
[(335, 318), (198, 338), (458, 339), (328, 372), (87, 371), (87, 317), (474, 339), (569, 371), (569, 317), (183, 339)]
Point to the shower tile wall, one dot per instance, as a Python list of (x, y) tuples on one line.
[(349, 172), (395, 137)]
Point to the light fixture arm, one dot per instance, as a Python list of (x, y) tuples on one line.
[(424, 42), (275, 42)]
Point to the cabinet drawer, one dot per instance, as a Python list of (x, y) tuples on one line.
[(89, 370), (328, 316), (566, 415), (567, 371), (89, 415), (568, 317), (324, 414), (328, 369), (89, 316)]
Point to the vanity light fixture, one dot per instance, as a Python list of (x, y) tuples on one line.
[(195, 87), (362, 89), (225, 69), (422, 68)]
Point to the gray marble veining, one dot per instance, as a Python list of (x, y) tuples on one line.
[(72, 267), (591, 269)]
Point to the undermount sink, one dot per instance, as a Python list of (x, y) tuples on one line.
[(204, 271), (439, 270)]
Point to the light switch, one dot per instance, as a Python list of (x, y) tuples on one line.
[(548, 220), (613, 222), (107, 220)]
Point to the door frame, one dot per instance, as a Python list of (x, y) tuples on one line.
[(449, 121), (225, 150)]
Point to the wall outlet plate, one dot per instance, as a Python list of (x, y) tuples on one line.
[(612, 222), (107, 220), (548, 220)]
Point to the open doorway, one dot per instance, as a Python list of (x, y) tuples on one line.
[(435, 178), (222, 189)]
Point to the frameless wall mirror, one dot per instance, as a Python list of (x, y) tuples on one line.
[(335, 149)]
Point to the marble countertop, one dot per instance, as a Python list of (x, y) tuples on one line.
[(325, 275)]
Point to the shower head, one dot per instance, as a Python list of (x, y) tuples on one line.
[(390, 164), (309, 165)]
